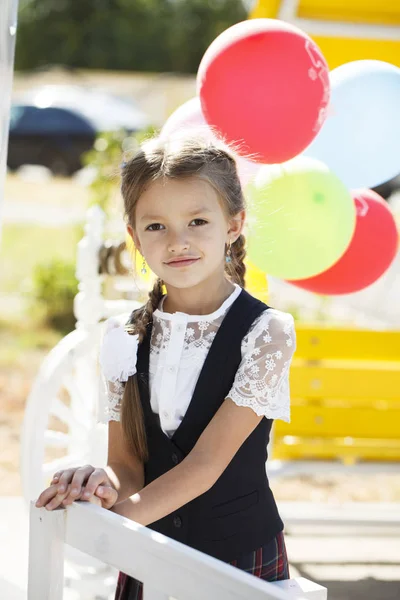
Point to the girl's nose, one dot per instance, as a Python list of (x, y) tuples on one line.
[(178, 244)]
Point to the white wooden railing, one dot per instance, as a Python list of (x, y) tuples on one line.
[(170, 570)]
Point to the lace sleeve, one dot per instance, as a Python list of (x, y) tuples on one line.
[(117, 358), (262, 380), (114, 393)]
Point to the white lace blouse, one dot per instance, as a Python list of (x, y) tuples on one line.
[(178, 347)]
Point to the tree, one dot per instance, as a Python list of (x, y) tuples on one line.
[(140, 35)]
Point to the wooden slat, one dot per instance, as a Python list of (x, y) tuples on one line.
[(350, 403), (345, 388), (345, 381), (323, 343), (327, 422), (339, 448)]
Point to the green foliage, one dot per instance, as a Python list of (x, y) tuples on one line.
[(24, 246), (54, 288), (105, 158), (134, 35)]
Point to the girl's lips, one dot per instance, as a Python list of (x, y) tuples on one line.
[(182, 263)]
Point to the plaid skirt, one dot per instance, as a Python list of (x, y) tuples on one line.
[(269, 563)]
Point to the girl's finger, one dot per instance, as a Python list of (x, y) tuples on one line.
[(75, 477), (108, 496), (46, 496), (65, 479), (80, 477), (57, 476), (58, 500), (97, 478), (95, 500)]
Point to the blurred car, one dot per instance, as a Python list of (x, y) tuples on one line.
[(54, 125)]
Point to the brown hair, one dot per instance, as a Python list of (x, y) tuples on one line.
[(173, 158)]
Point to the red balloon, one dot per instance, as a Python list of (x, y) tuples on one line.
[(371, 251), (264, 83)]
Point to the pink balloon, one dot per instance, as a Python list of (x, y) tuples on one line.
[(190, 116)]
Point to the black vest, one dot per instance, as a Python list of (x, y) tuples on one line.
[(238, 514)]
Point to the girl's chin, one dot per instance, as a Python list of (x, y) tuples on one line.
[(182, 283)]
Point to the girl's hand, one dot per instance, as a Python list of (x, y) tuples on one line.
[(80, 483)]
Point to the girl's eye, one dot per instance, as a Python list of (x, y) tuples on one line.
[(154, 227), (200, 221)]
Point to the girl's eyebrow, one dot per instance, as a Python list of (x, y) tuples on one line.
[(203, 209), (197, 211)]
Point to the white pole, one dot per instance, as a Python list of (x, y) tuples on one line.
[(8, 29), (46, 554)]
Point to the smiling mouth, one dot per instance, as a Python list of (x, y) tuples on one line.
[(182, 263)]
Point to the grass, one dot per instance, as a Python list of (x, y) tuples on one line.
[(24, 340), (23, 332), (23, 247)]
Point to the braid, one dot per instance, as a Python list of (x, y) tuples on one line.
[(141, 317), (132, 418), (237, 269)]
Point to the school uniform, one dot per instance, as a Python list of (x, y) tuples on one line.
[(187, 365)]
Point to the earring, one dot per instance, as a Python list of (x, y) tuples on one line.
[(228, 256), (143, 270)]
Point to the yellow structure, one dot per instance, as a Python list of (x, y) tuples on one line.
[(345, 388), (345, 384), (354, 14)]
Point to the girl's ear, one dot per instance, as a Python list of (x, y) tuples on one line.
[(236, 225), (135, 239)]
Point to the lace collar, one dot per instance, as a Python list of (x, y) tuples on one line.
[(180, 316)]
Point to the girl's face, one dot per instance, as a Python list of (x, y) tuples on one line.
[(183, 218)]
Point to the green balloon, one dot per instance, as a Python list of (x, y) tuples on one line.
[(301, 218)]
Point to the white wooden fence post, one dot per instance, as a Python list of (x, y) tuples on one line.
[(89, 302), (46, 554)]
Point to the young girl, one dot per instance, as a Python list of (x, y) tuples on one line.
[(196, 377)]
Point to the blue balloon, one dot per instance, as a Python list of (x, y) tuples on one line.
[(360, 139)]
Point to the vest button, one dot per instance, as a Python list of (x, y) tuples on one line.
[(175, 458), (177, 521)]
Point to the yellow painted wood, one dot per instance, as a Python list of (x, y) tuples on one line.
[(345, 388), (338, 51), (385, 12), (325, 343), (342, 421), (340, 449), (345, 382), (265, 9)]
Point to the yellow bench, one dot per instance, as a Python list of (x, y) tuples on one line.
[(345, 390)]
